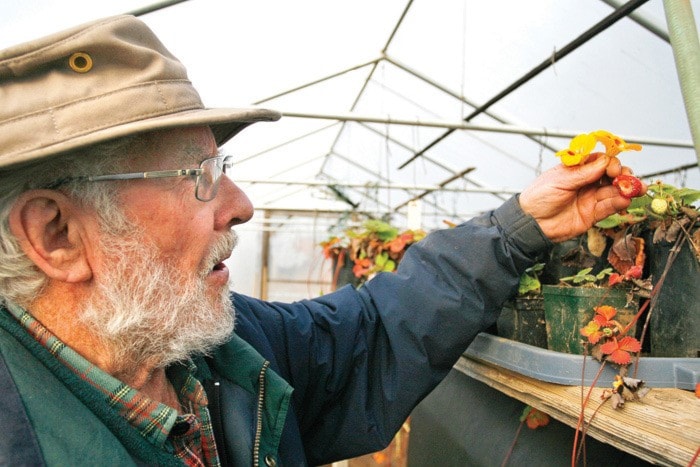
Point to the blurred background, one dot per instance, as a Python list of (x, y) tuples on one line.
[(417, 112)]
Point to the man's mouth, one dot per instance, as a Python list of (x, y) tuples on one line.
[(219, 273), (220, 252)]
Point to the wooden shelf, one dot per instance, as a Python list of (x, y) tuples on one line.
[(662, 428)]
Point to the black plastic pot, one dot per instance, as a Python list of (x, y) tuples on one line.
[(674, 328), (522, 320)]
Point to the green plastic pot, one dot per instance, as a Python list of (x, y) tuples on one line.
[(568, 309)]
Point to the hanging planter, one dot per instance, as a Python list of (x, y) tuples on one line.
[(342, 270), (361, 252)]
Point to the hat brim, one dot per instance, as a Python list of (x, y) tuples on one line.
[(225, 123)]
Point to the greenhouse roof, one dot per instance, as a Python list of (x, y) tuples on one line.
[(440, 109)]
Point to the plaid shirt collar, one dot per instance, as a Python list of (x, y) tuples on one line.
[(189, 437)]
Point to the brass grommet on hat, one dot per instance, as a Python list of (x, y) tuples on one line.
[(80, 62)]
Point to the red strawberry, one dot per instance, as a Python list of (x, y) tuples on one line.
[(628, 185)]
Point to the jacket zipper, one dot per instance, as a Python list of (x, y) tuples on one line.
[(258, 425)]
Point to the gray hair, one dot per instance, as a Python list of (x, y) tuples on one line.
[(20, 280)]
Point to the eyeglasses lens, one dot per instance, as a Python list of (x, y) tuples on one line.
[(208, 182)]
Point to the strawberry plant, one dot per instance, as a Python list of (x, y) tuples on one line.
[(584, 277), (530, 281)]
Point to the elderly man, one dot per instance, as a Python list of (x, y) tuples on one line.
[(117, 331)]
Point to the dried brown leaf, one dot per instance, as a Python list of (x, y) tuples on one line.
[(633, 389), (597, 242), (617, 401), (626, 251), (690, 212), (659, 234), (597, 353)]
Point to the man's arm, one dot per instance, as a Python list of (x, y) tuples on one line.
[(361, 360)]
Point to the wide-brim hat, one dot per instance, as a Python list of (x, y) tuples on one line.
[(97, 82)]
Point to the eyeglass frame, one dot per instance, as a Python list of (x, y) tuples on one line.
[(226, 163)]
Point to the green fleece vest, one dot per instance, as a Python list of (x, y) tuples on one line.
[(73, 423)]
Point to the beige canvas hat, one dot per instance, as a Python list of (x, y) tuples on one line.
[(96, 82)]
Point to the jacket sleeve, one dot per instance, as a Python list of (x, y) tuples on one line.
[(360, 360)]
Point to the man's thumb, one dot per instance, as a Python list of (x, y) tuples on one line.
[(594, 170)]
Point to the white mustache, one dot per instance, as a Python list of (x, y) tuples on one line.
[(221, 250)]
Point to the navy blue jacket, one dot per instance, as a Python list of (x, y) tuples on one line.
[(360, 360)]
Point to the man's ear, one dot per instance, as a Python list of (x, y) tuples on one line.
[(52, 234)]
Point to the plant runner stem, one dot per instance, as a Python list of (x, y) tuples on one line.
[(582, 415)]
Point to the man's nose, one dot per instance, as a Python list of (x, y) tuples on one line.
[(235, 207)]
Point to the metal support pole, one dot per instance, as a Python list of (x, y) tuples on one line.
[(644, 21), (686, 51), (462, 125), (265, 258), (383, 186)]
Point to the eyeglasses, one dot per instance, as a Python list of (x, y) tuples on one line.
[(207, 176)]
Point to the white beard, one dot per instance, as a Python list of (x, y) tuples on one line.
[(145, 312)]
